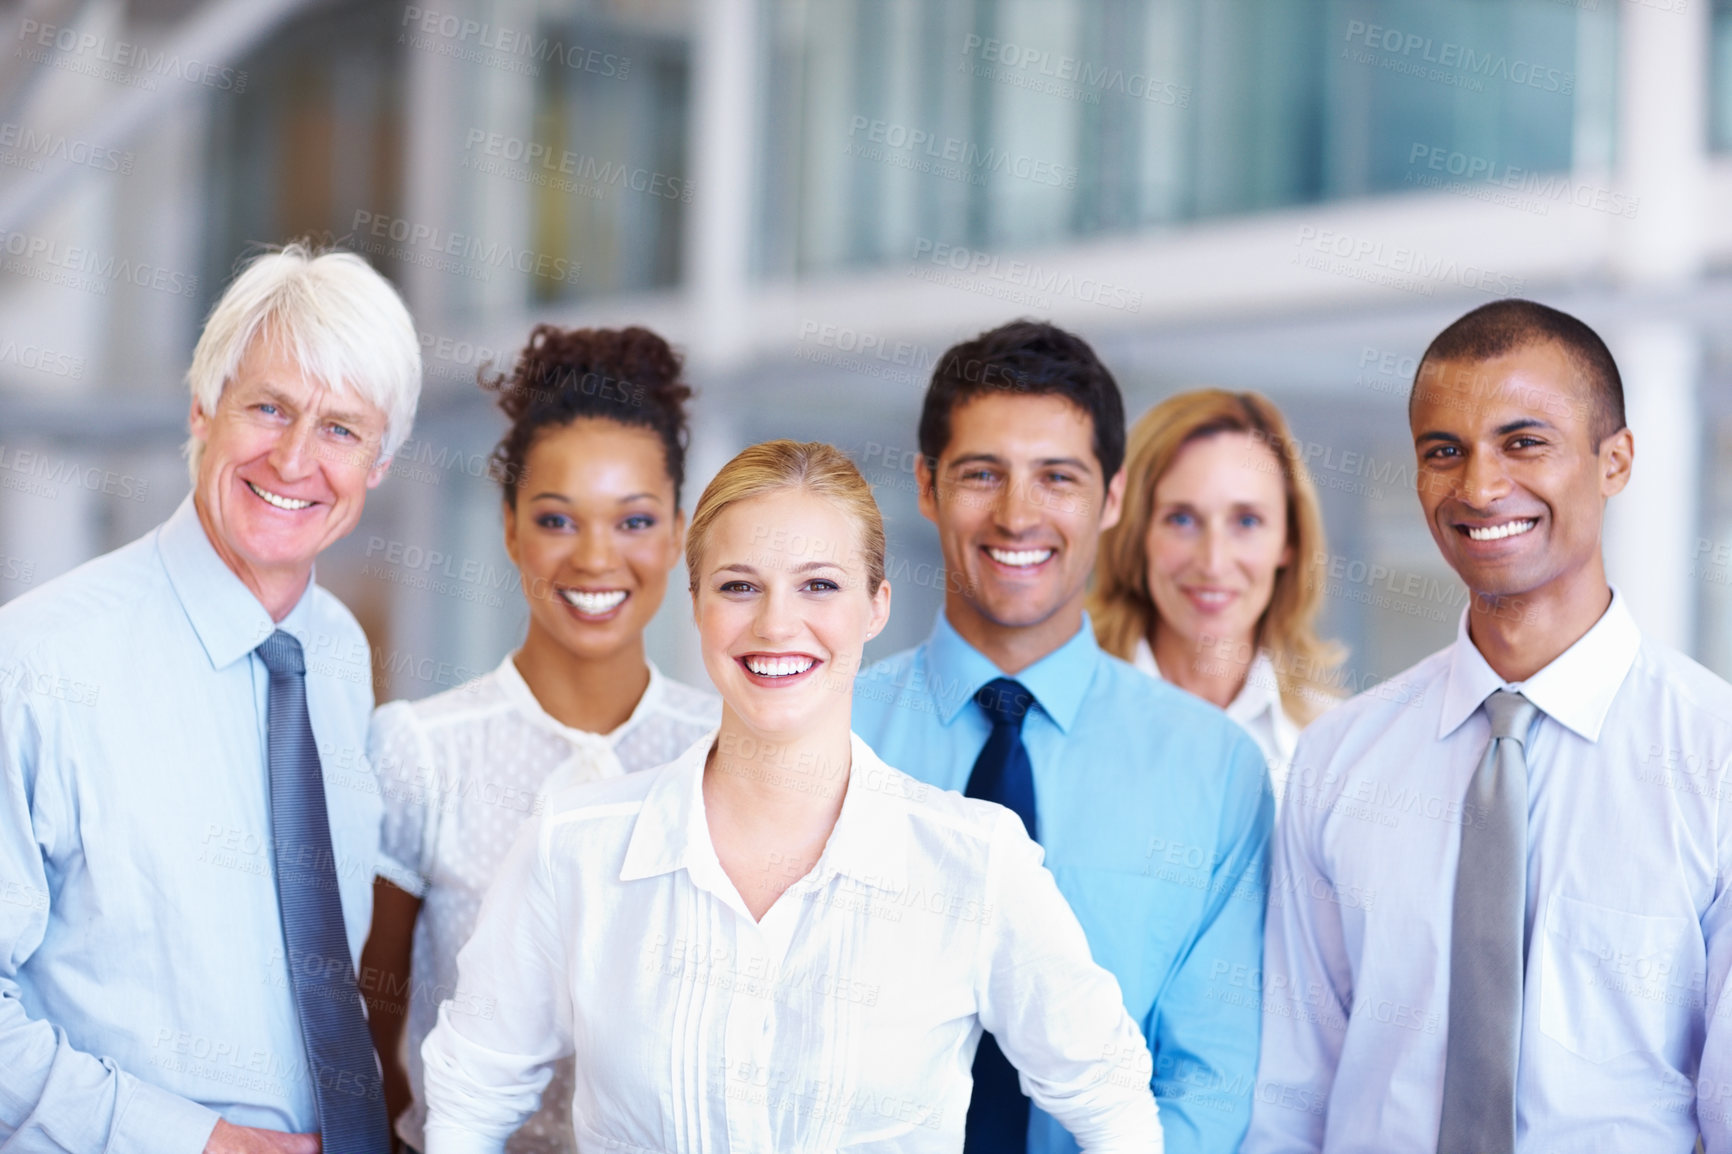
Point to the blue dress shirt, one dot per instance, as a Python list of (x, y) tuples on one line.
[(144, 988), (1155, 811)]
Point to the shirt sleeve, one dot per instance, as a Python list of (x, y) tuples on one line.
[(1714, 1082), (1058, 1016), (1205, 1026), (1307, 987), (492, 1052), (54, 1097), (409, 780)]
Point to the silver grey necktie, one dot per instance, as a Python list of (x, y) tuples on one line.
[(1486, 953)]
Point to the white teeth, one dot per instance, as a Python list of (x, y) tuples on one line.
[(779, 666), (1211, 596), (1498, 532), (594, 604), (1018, 558), (277, 499)]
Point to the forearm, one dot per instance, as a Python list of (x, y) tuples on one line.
[(1205, 1029), (385, 984), (1205, 1033), (492, 1052), (1713, 1085), (56, 1099), (476, 1097), (1116, 1112)]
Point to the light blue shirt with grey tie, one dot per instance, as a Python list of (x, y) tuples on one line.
[(1625, 1031), (144, 987)]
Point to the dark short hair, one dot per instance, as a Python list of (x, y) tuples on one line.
[(630, 376), (1028, 358), (1491, 330)]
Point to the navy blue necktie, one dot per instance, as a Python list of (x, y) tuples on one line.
[(998, 1113), (340, 1058)]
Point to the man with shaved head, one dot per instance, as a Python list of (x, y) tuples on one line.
[(1498, 919)]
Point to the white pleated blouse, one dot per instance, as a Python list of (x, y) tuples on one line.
[(847, 1018)]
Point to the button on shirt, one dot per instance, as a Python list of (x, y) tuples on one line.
[(138, 906), (1625, 1041), (1154, 812), (1257, 709), (847, 1018), (461, 771)]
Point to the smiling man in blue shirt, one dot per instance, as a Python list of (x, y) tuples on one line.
[(188, 825), (1154, 809)]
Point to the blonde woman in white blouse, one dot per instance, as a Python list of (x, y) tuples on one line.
[(591, 468), (1213, 577), (778, 942)]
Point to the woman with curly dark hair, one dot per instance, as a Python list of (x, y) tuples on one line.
[(590, 469)]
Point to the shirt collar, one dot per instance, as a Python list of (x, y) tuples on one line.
[(869, 844), (1260, 694), (517, 691), (1575, 690), (670, 832), (229, 620), (872, 841), (955, 671)]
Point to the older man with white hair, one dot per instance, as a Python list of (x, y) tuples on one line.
[(188, 823)]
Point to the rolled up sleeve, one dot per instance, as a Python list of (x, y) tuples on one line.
[(492, 1052)]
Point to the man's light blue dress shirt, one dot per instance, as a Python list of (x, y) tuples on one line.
[(1155, 811), (143, 984)]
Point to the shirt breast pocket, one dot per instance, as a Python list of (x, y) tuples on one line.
[(1614, 983)]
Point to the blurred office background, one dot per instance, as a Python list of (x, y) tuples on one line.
[(814, 197)]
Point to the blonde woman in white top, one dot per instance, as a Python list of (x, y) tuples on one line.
[(591, 468), (1212, 578), (778, 942)]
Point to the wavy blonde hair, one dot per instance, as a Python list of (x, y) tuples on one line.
[(1120, 605), (776, 466)]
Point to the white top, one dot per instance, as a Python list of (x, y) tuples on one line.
[(1257, 709), (1629, 917), (460, 772), (846, 1019)]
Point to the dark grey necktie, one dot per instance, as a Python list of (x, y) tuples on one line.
[(340, 1059), (1487, 955)]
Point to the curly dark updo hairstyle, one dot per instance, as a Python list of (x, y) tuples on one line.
[(630, 376)]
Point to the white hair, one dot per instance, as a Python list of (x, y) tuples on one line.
[(340, 320)]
